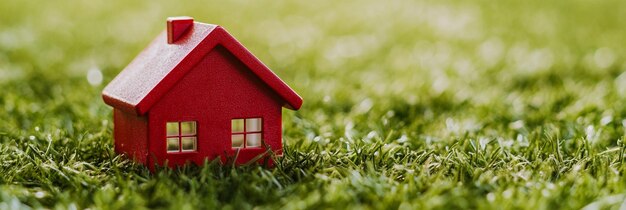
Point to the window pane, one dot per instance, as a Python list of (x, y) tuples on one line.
[(188, 128), (253, 140), (237, 140), (172, 144), (237, 125), (253, 124), (189, 143), (172, 128)]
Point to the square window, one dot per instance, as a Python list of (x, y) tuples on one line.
[(237, 140), (172, 144), (253, 125), (189, 143), (188, 128), (237, 125), (253, 140), (172, 128)]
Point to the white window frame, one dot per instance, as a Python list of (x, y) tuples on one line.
[(246, 132), (180, 136)]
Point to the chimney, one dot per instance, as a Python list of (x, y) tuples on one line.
[(177, 27)]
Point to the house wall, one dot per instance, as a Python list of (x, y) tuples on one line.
[(131, 135), (218, 89)]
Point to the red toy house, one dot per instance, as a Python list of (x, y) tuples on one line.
[(195, 93)]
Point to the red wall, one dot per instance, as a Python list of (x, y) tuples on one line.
[(218, 89), (131, 135)]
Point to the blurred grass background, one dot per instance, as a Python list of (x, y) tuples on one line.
[(408, 104)]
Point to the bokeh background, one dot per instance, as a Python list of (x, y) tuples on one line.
[(407, 104)]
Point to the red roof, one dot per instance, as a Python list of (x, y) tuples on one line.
[(157, 69)]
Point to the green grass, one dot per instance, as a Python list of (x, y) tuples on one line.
[(409, 105)]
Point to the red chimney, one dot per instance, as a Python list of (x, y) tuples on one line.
[(177, 27)]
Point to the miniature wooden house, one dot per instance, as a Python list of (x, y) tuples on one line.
[(195, 94)]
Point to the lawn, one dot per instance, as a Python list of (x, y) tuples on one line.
[(407, 105)]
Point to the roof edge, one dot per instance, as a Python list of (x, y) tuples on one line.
[(120, 105), (178, 72), (292, 100)]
